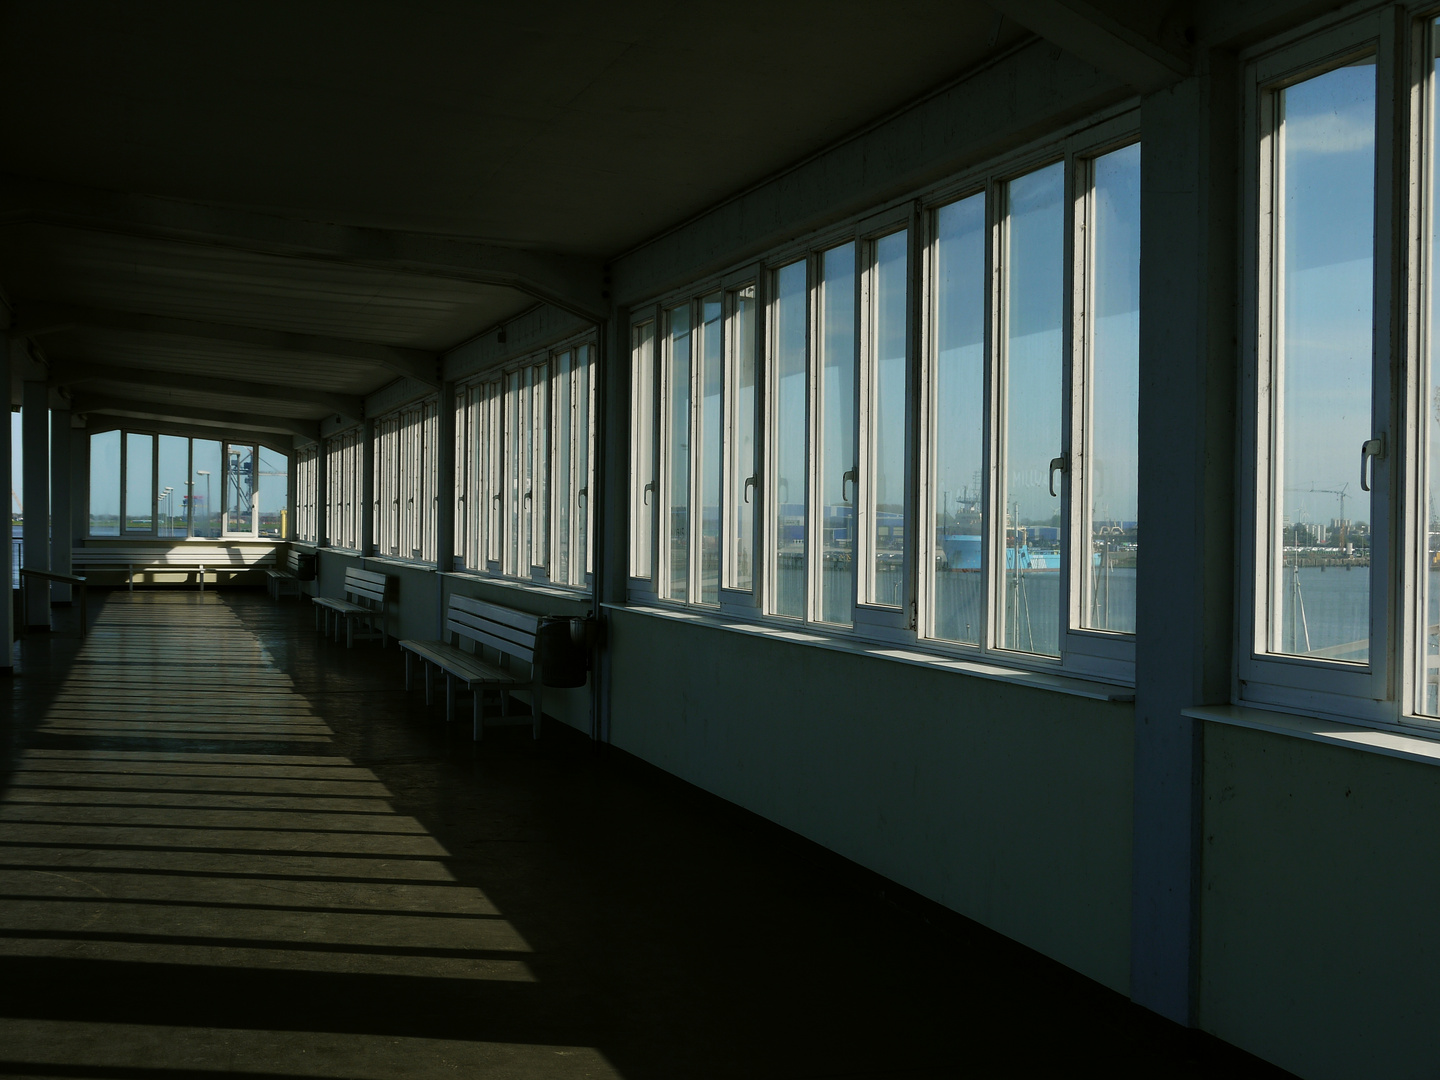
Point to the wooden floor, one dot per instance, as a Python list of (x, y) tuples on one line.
[(230, 848)]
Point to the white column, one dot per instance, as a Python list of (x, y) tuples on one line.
[(445, 481), (35, 442), (62, 495)]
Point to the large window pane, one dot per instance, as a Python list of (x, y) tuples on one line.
[(1113, 327), (104, 484), (207, 480), (584, 413), (273, 494), (139, 482), (740, 442), (957, 420), (835, 434), (885, 437), (239, 489), (709, 435), (174, 454), (564, 463), (1033, 266), (642, 448), (1322, 274), (675, 515), (785, 494)]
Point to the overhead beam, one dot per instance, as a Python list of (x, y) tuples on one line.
[(1129, 53), (73, 373), (571, 282), (219, 418), (39, 318)]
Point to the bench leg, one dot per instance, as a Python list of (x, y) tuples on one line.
[(132, 577), (449, 698), (408, 657), (427, 682), (479, 689), (201, 576), (349, 631)]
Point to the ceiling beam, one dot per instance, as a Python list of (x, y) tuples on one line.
[(184, 414), (571, 282), (71, 373), (1132, 55), (39, 318)]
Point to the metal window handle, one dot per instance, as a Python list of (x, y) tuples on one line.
[(646, 495), (851, 476), (750, 482), (1058, 464), (1372, 448), (496, 497), (527, 497), (582, 496)]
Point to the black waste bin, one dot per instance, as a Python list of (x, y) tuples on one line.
[(305, 566), (563, 660)]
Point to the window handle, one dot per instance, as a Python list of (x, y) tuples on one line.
[(750, 482), (646, 494), (527, 497), (582, 496), (496, 497), (1372, 448), (851, 476), (1058, 464)]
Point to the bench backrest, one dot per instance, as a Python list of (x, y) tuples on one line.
[(365, 585), (500, 628), (178, 555)]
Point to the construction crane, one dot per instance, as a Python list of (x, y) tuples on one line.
[(1342, 493)]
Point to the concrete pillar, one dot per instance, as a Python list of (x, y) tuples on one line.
[(445, 480), (35, 442), (62, 498), (79, 483), (611, 529), (7, 566), (367, 488), (322, 498), (1184, 603)]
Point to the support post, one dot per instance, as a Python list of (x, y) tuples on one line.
[(322, 501), (611, 530), (79, 483), (367, 489), (62, 494), (1184, 604), (445, 480), (35, 445), (292, 496)]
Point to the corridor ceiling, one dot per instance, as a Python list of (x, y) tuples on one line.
[(254, 214)]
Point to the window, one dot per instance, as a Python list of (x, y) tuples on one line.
[(406, 481), (1339, 521), (708, 481), (307, 493), (523, 468), (169, 486), (344, 487), (967, 360)]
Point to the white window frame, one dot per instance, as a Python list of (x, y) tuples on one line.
[(1331, 688)]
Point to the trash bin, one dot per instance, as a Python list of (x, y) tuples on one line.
[(560, 652), (305, 566)]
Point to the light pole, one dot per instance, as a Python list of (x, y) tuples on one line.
[(205, 473), (169, 517)]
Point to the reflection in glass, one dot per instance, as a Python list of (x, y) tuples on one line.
[(708, 437), (139, 482), (675, 518), (740, 464), (174, 462), (239, 489), (1032, 374), (835, 433), (957, 421), (642, 447), (885, 465), (1108, 597), (272, 493), (564, 462), (207, 480), (104, 484), (1323, 273), (785, 495)]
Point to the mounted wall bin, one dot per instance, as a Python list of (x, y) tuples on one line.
[(560, 651)]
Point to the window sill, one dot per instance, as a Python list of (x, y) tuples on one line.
[(1040, 680), (393, 560), (1408, 746), (535, 588)]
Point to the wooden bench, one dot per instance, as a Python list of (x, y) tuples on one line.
[(509, 633), (184, 557), (287, 578), (363, 605)]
